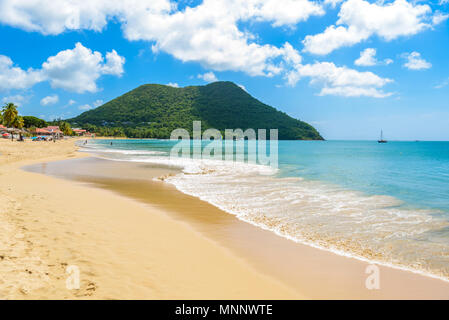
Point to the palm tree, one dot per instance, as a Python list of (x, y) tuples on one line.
[(18, 122), (9, 114), (66, 128)]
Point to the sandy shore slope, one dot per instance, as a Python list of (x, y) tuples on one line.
[(123, 248)]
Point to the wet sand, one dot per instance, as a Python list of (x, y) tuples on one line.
[(123, 248), (307, 271)]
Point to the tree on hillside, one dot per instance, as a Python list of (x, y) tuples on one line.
[(9, 114), (34, 122)]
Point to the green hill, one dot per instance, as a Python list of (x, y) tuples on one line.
[(153, 111)]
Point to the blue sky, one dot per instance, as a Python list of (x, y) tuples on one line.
[(348, 67)]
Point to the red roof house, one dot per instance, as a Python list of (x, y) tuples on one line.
[(42, 131), (80, 132), (52, 130)]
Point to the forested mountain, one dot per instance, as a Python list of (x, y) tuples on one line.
[(153, 111)]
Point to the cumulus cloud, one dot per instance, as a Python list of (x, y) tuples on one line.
[(210, 34), (49, 17), (78, 69), (281, 12), (341, 81), (439, 18), (14, 77), (368, 58), (16, 99), (414, 61), (173, 84), (208, 77), (97, 103), (207, 33), (334, 80), (354, 92), (86, 107), (242, 87), (74, 70), (291, 55), (333, 3), (55, 17), (49, 100), (114, 64), (360, 19)]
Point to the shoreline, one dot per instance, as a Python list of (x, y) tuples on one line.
[(335, 250), (124, 249), (295, 270), (267, 252)]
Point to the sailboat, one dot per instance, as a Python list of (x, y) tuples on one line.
[(382, 138)]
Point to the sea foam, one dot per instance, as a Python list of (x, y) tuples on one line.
[(375, 228)]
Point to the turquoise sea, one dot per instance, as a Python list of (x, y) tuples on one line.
[(387, 203)]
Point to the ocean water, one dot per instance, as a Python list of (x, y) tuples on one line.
[(386, 203)]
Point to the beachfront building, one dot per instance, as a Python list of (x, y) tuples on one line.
[(81, 132), (53, 131)]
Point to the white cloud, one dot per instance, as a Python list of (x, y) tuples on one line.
[(16, 99), (49, 100), (78, 69), (360, 19), (173, 84), (97, 103), (211, 34), (114, 64), (333, 3), (439, 18), (75, 70), (368, 58), (281, 12), (340, 81), (207, 33), (86, 107), (242, 86), (208, 77), (13, 77), (291, 55), (71, 102), (354, 92), (50, 17), (55, 17), (415, 61)]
